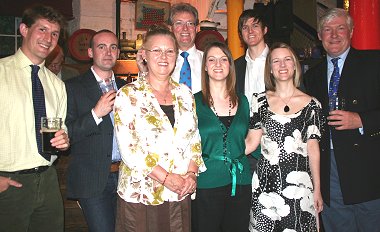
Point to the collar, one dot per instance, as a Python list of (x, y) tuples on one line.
[(191, 50), (98, 78), (342, 57), (24, 61), (263, 55)]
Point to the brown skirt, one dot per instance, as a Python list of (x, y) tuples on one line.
[(167, 217)]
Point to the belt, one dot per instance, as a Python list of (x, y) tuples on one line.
[(115, 166), (39, 169), (235, 165)]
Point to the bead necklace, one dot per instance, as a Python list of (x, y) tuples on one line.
[(286, 107), (214, 110), (223, 128)]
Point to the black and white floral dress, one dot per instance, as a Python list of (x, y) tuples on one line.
[(282, 187)]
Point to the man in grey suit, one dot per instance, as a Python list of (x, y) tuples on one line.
[(55, 63), (350, 79), (92, 174)]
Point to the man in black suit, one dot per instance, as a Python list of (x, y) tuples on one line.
[(93, 168), (350, 146), (250, 67)]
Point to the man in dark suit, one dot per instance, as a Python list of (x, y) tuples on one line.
[(249, 68), (350, 146), (93, 168)]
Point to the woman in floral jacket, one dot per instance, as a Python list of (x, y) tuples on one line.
[(159, 141)]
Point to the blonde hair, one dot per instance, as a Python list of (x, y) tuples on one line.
[(270, 81)]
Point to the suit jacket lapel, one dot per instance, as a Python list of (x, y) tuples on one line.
[(323, 85), (91, 86), (93, 91), (347, 71)]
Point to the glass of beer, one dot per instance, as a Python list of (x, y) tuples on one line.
[(49, 125), (106, 85)]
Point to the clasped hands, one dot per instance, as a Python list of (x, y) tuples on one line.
[(181, 184)]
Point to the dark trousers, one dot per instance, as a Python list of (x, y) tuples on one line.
[(35, 207), (363, 217), (100, 211), (216, 210)]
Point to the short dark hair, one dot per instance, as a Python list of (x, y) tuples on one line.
[(257, 14), (231, 77), (97, 33), (183, 7), (31, 15)]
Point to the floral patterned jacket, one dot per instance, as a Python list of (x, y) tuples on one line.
[(147, 139)]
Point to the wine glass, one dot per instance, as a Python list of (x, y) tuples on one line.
[(340, 104)]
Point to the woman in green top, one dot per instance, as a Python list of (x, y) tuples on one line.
[(224, 190)]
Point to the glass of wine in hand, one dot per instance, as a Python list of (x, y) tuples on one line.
[(339, 104)]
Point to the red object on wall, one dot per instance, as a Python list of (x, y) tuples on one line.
[(366, 15)]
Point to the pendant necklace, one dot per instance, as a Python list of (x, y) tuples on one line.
[(162, 96), (286, 107)]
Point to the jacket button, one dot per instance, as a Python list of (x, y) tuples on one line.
[(355, 102)]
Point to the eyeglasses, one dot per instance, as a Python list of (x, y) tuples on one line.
[(213, 60), (180, 24), (159, 52)]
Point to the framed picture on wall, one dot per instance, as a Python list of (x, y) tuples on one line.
[(150, 12)]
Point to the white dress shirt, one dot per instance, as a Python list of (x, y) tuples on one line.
[(195, 60), (254, 74)]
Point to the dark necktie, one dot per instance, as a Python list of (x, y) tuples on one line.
[(334, 83), (39, 107), (185, 75)]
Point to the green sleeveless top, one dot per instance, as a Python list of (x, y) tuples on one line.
[(227, 167)]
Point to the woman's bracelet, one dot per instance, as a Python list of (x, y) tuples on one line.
[(163, 182), (195, 174)]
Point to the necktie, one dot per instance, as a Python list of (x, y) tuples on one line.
[(39, 107), (115, 150), (185, 75), (334, 82)]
